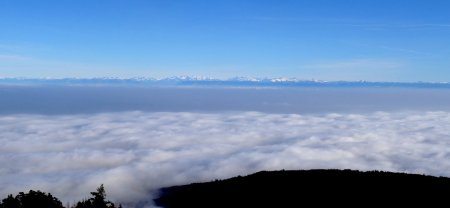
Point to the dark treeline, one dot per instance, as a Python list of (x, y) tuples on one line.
[(312, 188), (37, 199), (302, 188)]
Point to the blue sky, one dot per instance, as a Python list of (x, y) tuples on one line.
[(377, 40)]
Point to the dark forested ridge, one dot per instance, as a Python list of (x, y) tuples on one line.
[(301, 188), (311, 188)]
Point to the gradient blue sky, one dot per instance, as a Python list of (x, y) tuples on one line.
[(377, 40)]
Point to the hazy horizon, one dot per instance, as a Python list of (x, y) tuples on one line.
[(62, 100)]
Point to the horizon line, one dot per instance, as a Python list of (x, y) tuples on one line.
[(211, 79)]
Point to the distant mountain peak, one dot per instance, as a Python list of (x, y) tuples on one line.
[(213, 82)]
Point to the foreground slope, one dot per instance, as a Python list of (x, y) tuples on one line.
[(310, 189)]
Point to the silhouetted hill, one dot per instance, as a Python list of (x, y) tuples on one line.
[(312, 188)]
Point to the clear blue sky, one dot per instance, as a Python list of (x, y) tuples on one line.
[(376, 40)]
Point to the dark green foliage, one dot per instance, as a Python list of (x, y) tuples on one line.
[(98, 200), (10, 202), (38, 199), (31, 199), (84, 204)]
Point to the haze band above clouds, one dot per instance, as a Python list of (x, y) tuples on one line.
[(302, 100), (135, 153)]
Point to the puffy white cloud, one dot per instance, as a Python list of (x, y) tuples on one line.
[(135, 153)]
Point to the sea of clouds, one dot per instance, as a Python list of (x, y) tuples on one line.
[(134, 153)]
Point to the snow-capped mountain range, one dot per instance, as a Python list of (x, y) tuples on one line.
[(213, 82)]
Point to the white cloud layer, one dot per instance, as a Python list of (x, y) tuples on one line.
[(135, 153)]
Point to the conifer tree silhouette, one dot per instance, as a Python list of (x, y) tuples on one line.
[(98, 200)]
